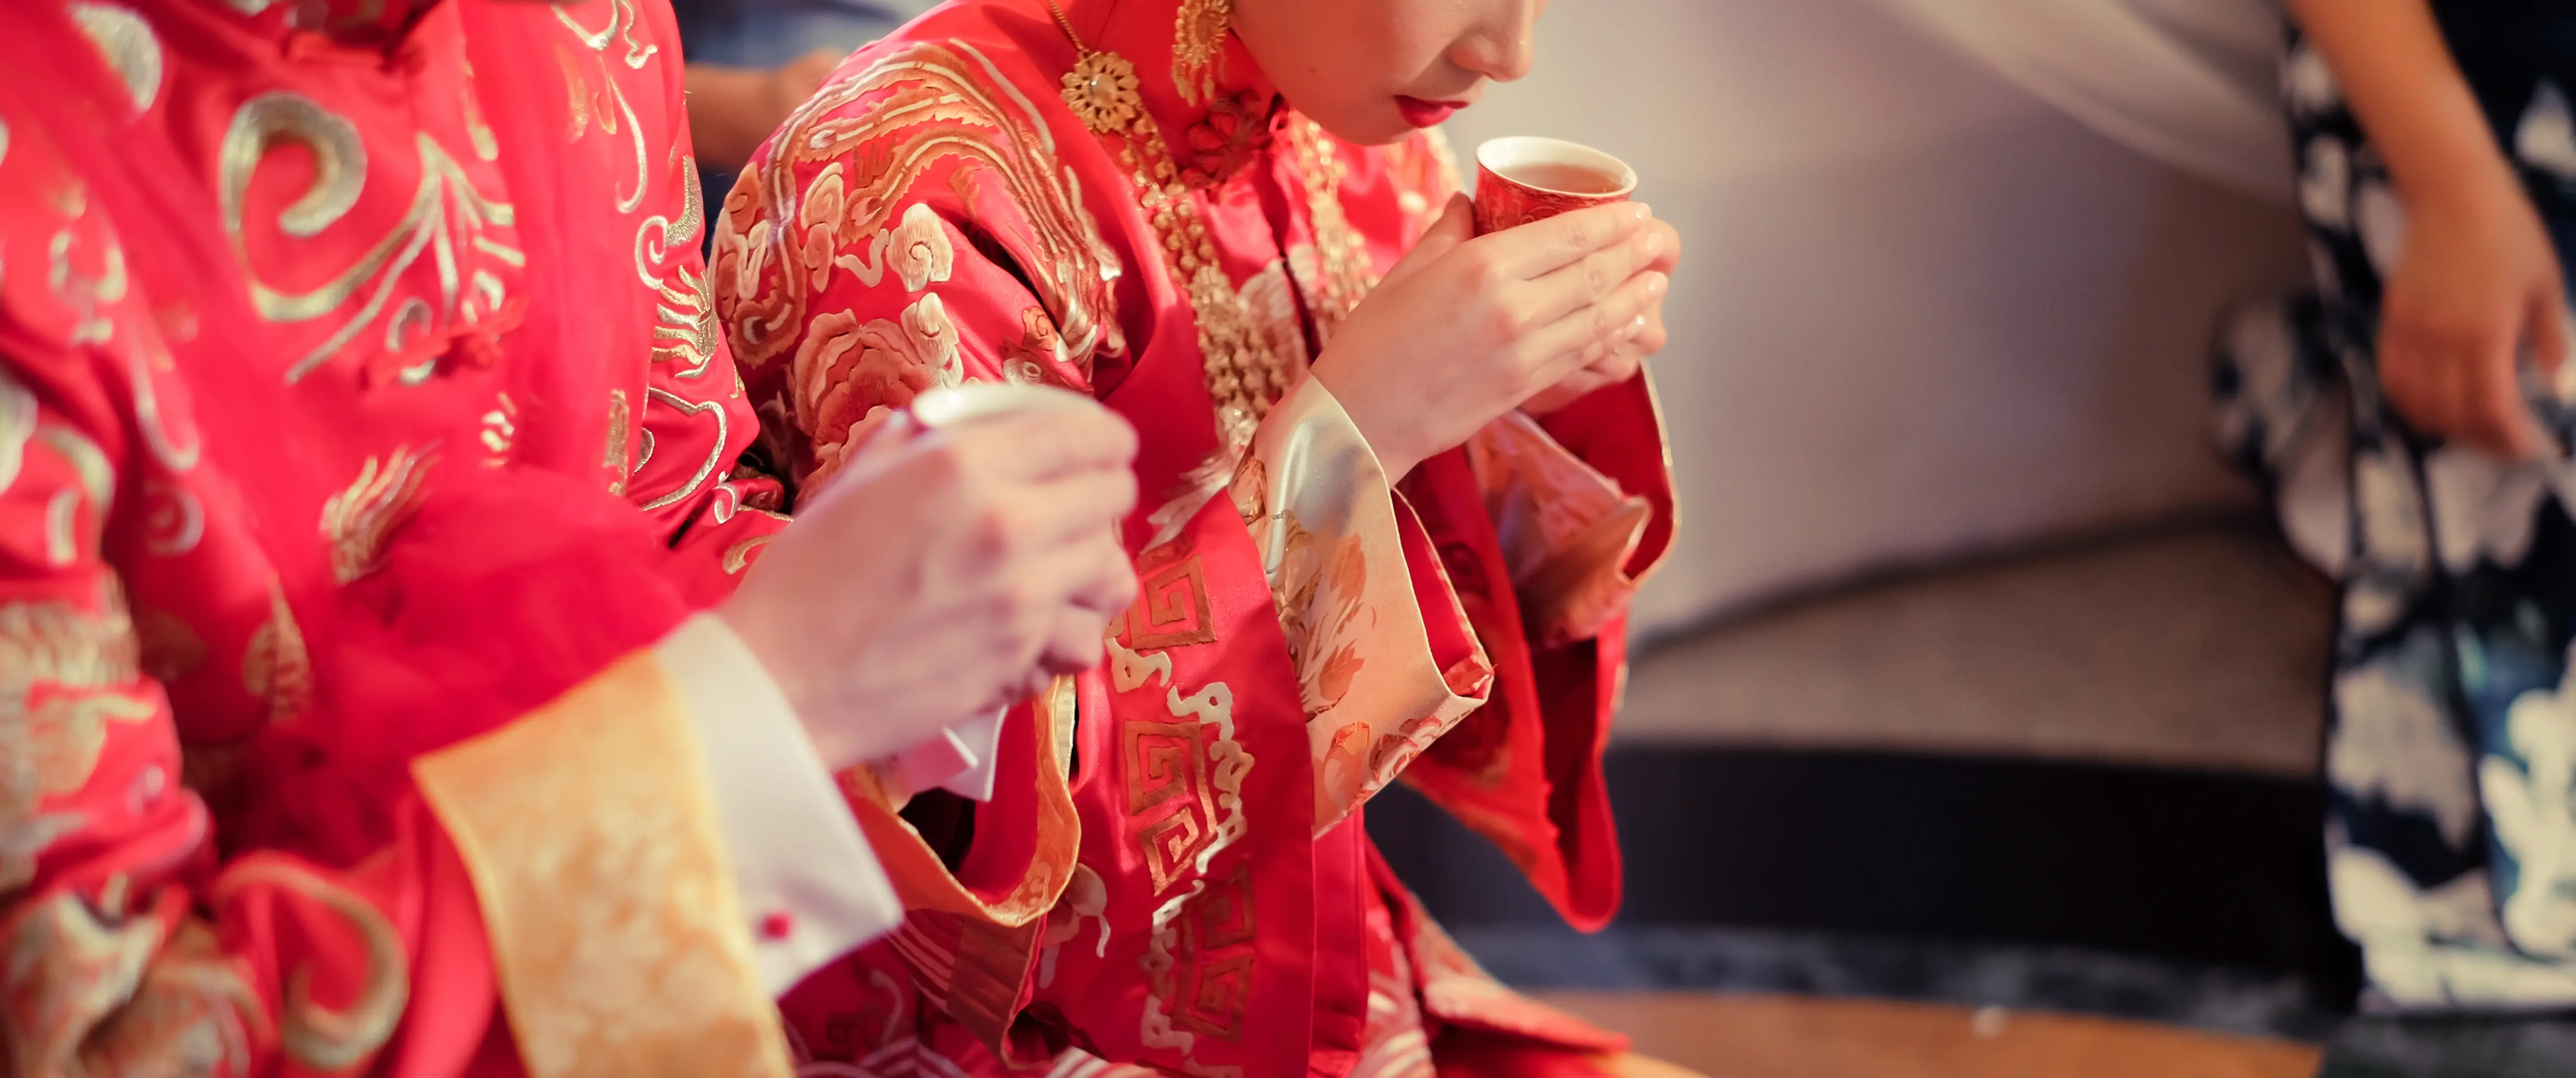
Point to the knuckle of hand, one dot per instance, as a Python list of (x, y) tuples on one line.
[(1032, 604), (1574, 240), (943, 462), (1590, 230), (1606, 320), (1601, 275), (994, 531)]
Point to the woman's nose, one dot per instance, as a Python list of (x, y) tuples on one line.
[(1502, 48)]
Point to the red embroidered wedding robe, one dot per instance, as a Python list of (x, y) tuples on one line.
[(362, 417), (1306, 634)]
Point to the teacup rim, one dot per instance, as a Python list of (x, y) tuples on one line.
[(1561, 149), (967, 402)]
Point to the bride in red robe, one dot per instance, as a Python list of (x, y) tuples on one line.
[(1394, 508)]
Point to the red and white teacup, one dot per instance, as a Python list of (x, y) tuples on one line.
[(1526, 178)]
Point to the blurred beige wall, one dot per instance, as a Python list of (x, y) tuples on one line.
[(1923, 313)]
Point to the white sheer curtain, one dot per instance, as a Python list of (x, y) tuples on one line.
[(2187, 82)]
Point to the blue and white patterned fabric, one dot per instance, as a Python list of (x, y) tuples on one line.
[(2451, 749)]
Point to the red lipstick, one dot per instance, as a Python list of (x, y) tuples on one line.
[(1421, 113)]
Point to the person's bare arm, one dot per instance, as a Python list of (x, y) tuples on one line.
[(2476, 280), (732, 110)]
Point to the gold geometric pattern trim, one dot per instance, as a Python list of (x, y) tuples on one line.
[(590, 832)]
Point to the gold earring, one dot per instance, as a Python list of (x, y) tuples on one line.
[(1198, 44)]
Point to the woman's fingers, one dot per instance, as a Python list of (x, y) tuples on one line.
[(1457, 225), (2548, 329), (1591, 333), (1074, 507), (1670, 258), (1043, 443), (1542, 247), (1070, 581), (1073, 645), (1594, 277), (2460, 386), (2503, 421), (1112, 584)]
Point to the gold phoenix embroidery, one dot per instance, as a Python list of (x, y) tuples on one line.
[(72, 651), (928, 107), (275, 666), (68, 731), (687, 311), (192, 1007), (357, 521), (61, 645), (66, 955)]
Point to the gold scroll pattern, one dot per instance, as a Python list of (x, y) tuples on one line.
[(449, 222), (316, 1036)]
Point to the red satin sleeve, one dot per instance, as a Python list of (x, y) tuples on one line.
[(1525, 769)]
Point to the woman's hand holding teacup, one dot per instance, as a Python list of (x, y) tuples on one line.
[(1466, 328), (1622, 364)]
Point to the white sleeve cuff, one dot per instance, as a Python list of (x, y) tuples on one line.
[(808, 880), (959, 760)]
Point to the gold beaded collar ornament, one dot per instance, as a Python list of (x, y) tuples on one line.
[(1102, 85), (1246, 367)]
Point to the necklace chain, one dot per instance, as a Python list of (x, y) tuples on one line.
[(1246, 368), (1057, 10)]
